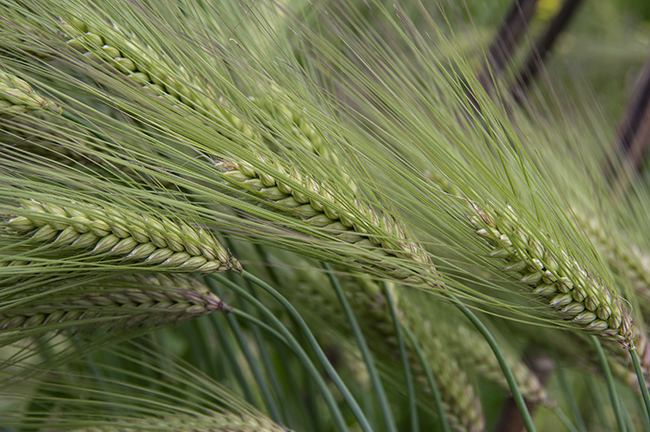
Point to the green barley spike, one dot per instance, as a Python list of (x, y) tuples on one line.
[(568, 289), (477, 354), (136, 238), (157, 300), (373, 230), (17, 96), (290, 118), (189, 423), (149, 70)]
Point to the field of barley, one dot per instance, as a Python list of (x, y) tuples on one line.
[(324, 215)]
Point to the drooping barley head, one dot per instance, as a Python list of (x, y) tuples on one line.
[(149, 300), (568, 289), (134, 238), (363, 227), (17, 96)]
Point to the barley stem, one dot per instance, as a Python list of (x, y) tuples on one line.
[(253, 364), (380, 393), (229, 351), (337, 416), (354, 406), (611, 385), (462, 406), (514, 388), (568, 395), (643, 385), (430, 379), (410, 388)]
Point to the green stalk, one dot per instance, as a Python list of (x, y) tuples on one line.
[(313, 415), (354, 406), (410, 387), (386, 411), (293, 384), (232, 359), (262, 325), (261, 346), (600, 408), (230, 353), (568, 395), (266, 362), (512, 383), (252, 362), (611, 386), (312, 418), (643, 386), (197, 347), (298, 351), (217, 364), (444, 424), (567, 422), (646, 421)]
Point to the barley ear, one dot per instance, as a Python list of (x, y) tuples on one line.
[(628, 261), (157, 300), (17, 96), (567, 288), (180, 422), (149, 70), (364, 227), (477, 354), (460, 399), (289, 116), (135, 238)]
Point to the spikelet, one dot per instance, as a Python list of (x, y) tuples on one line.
[(164, 299), (568, 289), (136, 238), (17, 96), (372, 230), (149, 70)]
